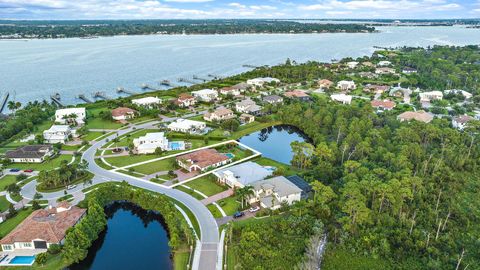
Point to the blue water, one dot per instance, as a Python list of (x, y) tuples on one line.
[(134, 239), (177, 145), (274, 142), (230, 155), (37, 68), (22, 260)]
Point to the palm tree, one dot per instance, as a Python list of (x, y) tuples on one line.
[(245, 193)]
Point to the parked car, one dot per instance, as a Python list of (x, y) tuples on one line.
[(238, 215), (254, 209), (14, 170), (71, 186), (28, 171)]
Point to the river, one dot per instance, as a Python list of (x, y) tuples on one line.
[(35, 69)]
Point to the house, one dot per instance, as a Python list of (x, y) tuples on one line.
[(345, 99), (368, 64), (241, 175), (383, 105), (297, 94), (69, 116), (259, 82), (43, 228), (185, 100), (368, 75), (461, 122), (123, 113), (219, 114), (206, 95), (421, 116), (301, 184), (273, 99), (187, 126), (246, 118), (272, 193), (384, 70), (230, 91), (147, 102), (346, 85), (57, 134), (378, 89), (409, 70), (248, 106), (464, 93), (398, 91), (352, 64), (429, 96), (151, 141), (202, 160), (325, 84), (384, 63), (30, 153)]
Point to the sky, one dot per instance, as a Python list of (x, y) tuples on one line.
[(212, 9)]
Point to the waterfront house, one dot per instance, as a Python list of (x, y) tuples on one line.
[(57, 134), (123, 113), (187, 126), (230, 91), (273, 99), (383, 105), (185, 100), (147, 102), (346, 85), (43, 228), (344, 99), (150, 142), (246, 118), (202, 160), (206, 95), (325, 84), (248, 106), (421, 116), (30, 153), (71, 116), (461, 122), (219, 114), (272, 193), (243, 174), (259, 82)]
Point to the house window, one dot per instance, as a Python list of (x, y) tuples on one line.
[(27, 244), (7, 247)]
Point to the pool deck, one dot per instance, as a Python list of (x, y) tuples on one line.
[(24, 252)]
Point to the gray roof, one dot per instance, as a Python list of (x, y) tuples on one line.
[(247, 173), (273, 98), (280, 185), (30, 151)]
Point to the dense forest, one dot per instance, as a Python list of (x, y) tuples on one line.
[(66, 29)]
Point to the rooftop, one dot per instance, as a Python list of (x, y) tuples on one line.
[(280, 185), (246, 173), (122, 111), (203, 158), (30, 151)]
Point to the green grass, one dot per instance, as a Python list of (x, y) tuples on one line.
[(65, 198), (98, 123), (16, 197), (10, 224), (80, 180), (4, 203), (71, 147), (6, 181), (46, 165), (181, 260), (214, 210), (191, 216), (286, 170), (191, 192), (207, 185), (250, 128), (156, 166), (54, 262), (128, 160), (92, 135), (100, 163), (229, 205)]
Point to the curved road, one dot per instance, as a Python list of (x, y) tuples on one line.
[(208, 226)]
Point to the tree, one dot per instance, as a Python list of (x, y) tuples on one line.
[(41, 258), (244, 193)]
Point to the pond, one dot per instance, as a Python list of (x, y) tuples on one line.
[(274, 142), (134, 239)]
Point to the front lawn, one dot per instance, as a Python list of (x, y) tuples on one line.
[(208, 185), (6, 181), (168, 164), (92, 135), (46, 165), (4, 203), (123, 161), (10, 224), (191, 192), (99, 123), (229, 205), (214, 210)]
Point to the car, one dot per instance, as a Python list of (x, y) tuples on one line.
[(14, 170), (254, 209), (71, 186), (238, 214), (28, 171)]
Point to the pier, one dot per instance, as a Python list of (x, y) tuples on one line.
[(148, 87), (101, 95), (195, 77), (185, 80), (121, 90), (167, 83), (4, 101), (84, 98), (215, 76), (56, 99)]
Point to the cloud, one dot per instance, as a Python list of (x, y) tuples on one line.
[(188, 1)]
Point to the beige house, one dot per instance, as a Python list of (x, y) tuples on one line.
[(202, 160), (421, 116), (220, 114), (272, 193)]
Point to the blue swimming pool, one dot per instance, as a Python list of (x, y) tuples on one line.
[(230, 155), (24, 260), (176, 145)]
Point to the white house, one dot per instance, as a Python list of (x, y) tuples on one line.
[(384, 70), (219, 114), (150, 142), (148, 102), (187, 126), (242, 175), (206, 95), (352, 64), (345, 99), (429, 96), (261, 81), (346, 85), (57, 134), (272, 193), (464, 93), (409, 70), (71, 116), (248, 106), (123, 113), (30, 153), (461, 122), (384, 63)]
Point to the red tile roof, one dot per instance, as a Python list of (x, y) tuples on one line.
[(296, 93), (387, 104), (122, 111), (203, 158)]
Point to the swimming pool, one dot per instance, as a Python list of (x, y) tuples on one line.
[(179, 145), (230, 155), (23, 260)]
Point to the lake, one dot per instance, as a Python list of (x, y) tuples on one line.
[(274, 142), (134, 239), (36, 69)]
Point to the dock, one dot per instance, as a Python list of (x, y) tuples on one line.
[(148, 87), (167, 83), (101, 95), (121, 90), (56, 99), (4, 101), (185, 80), (84, 98), (215, 76), (195, 77)]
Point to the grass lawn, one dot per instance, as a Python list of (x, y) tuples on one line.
[(16, 197), (287, 169), (123, 161), (10, 224), (252, 127), (99, 123), (46, 165), (92, 135), (7, 180), (181, 260), (4, 203), (214, 210), (191, 192), (71, 147), (207, 185), (156, 166), (100, 163), (229, 205)]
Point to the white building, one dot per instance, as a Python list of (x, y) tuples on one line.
[(346, 85), (242, 175), (148, 102), (57, 134), (464, 93), (262, 81), (461, 122), (272, 193), (248, 106), (71, 116), (384, 63), (345, 99), (429, 96), (352, 64), (187, 126), (206, 95), (30, 153), (150, 142)]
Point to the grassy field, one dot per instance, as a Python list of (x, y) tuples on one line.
[(207, 185), (6, 181), (191, 192), (287, 170), (156, 166), (10, 224), (180, 260), (95, 121), (252, 127), (128, 160), (4, 203), (92, 135), (46, 165), (229, 205), (214, 210)]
